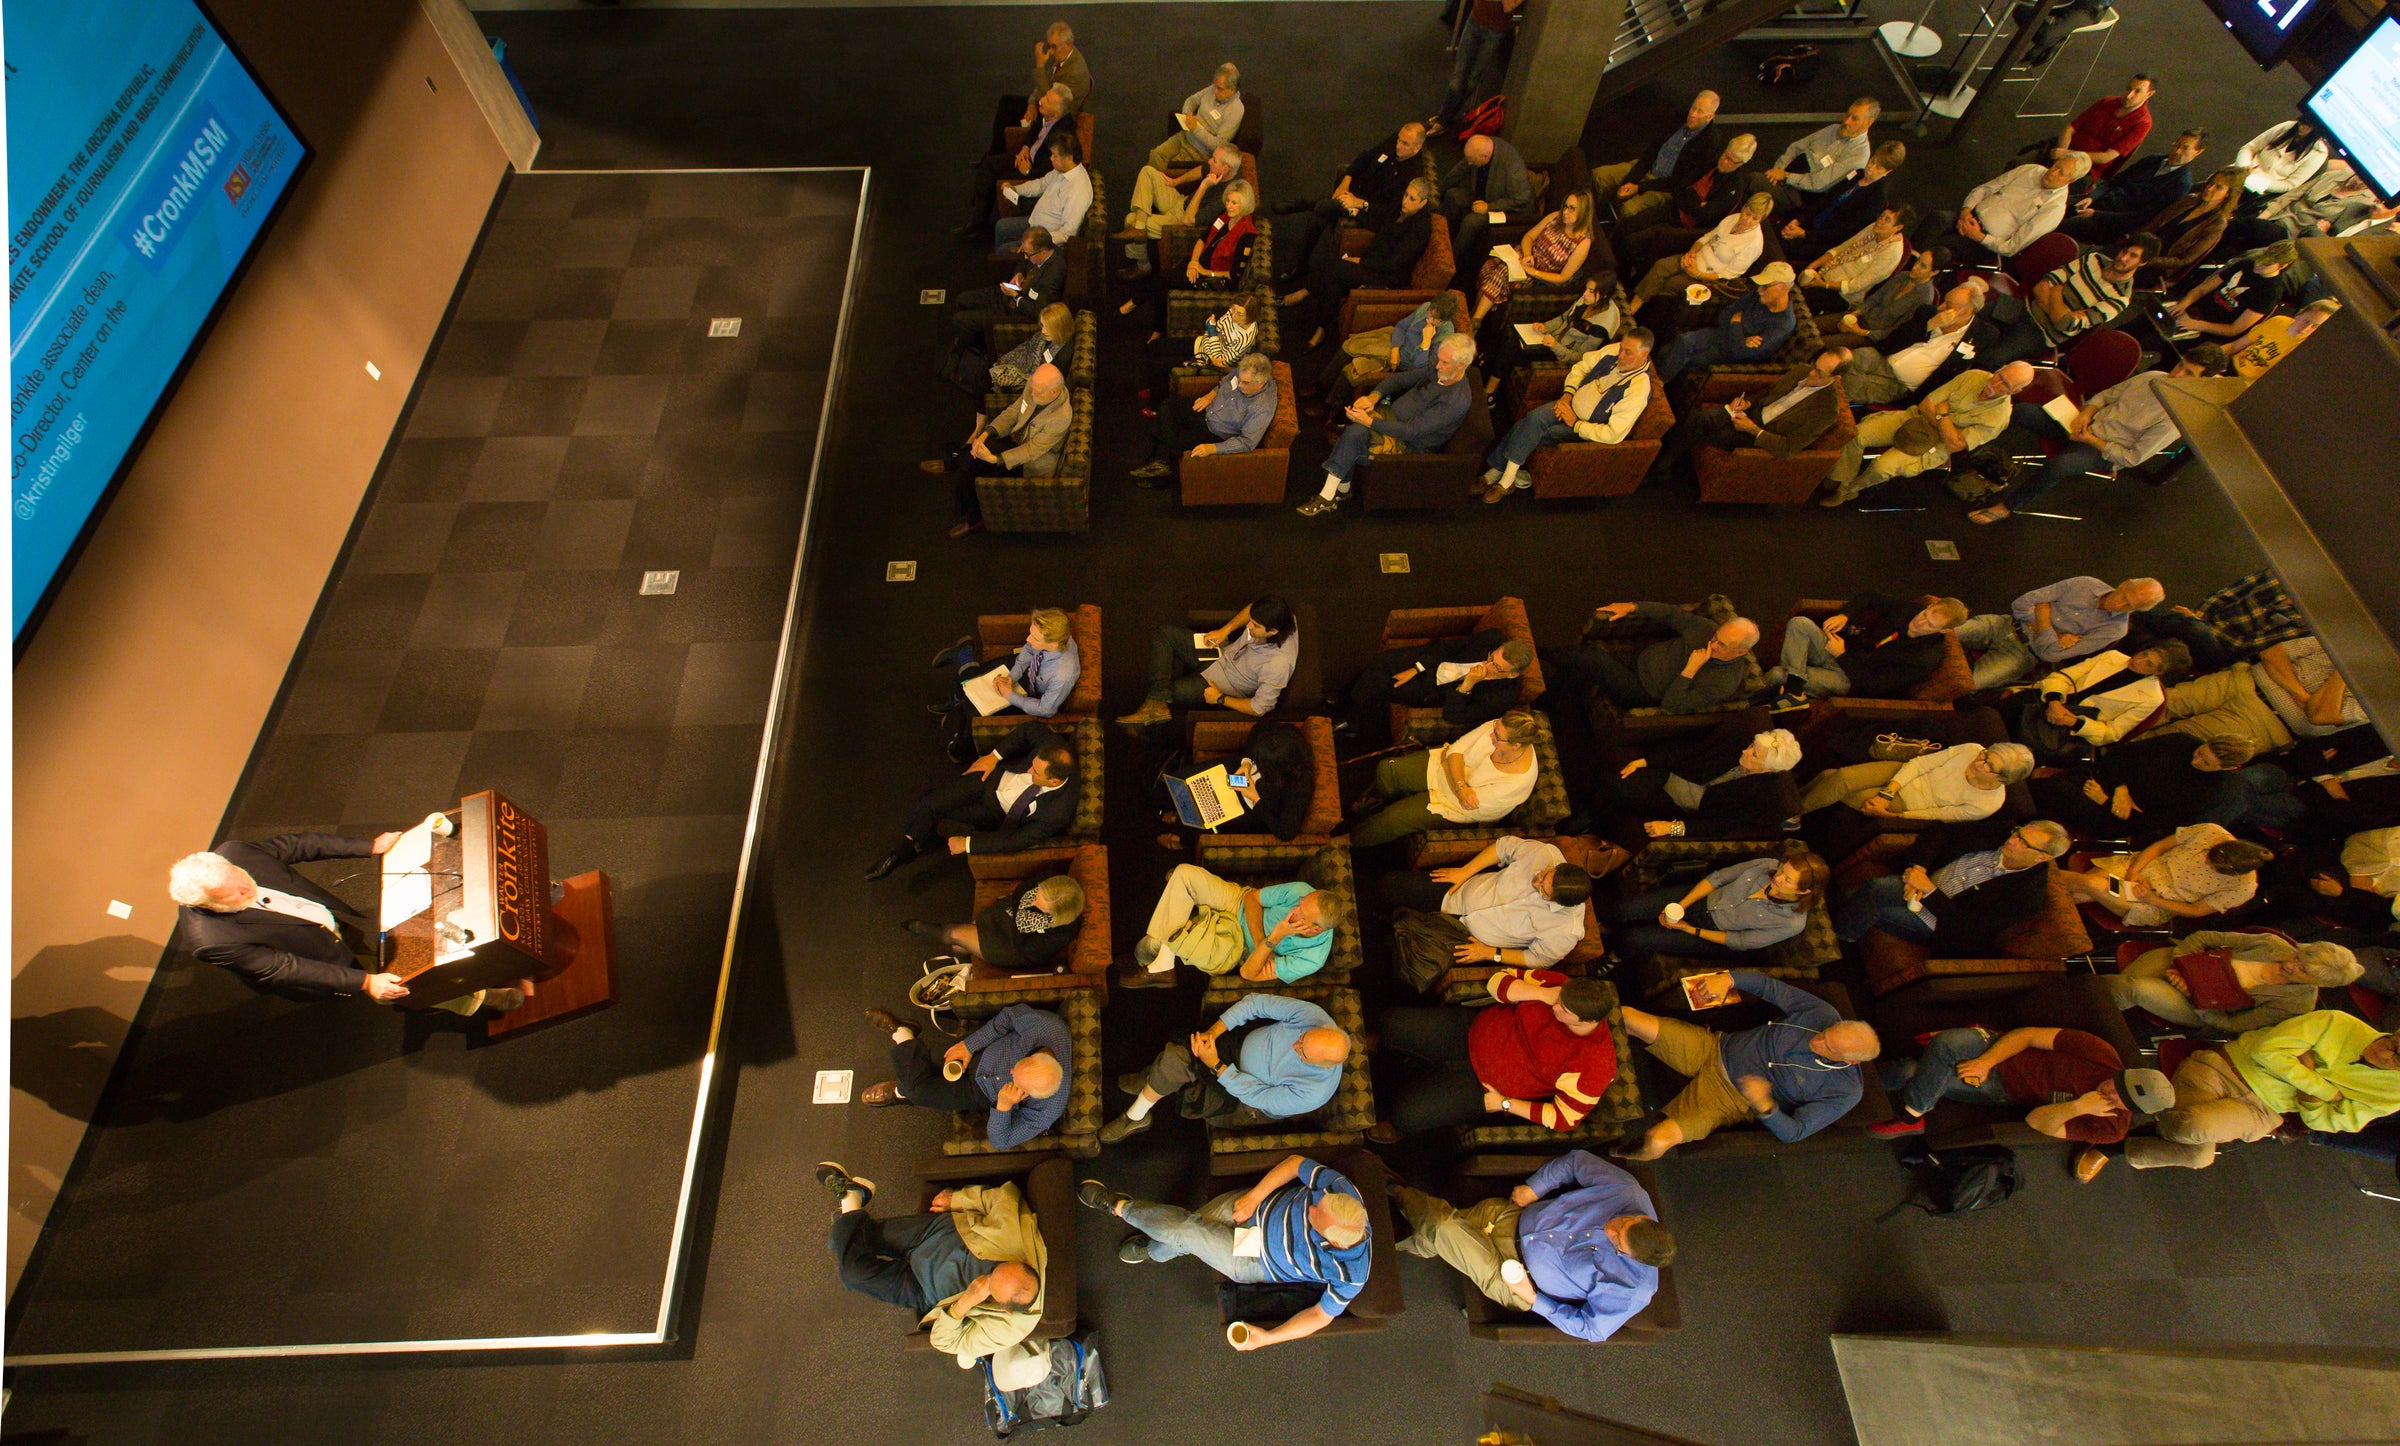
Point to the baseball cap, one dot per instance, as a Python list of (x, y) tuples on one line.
[(1775, 273), (2145, 1091)]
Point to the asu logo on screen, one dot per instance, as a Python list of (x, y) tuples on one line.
[(236, 183)]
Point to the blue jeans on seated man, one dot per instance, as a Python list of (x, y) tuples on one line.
[(1932, 1077), (1707, 349), (1880, 904), (1639, 932), (1008, 231), (1206, 1233), (1531, 433), (2074, 459)]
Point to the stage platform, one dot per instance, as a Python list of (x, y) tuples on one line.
[(272, 1178)]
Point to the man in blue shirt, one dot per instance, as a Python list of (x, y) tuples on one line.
[(1267, 1058), (1230, 419), (1300, 1224), (1426, 407), (1748, 332), (2056, 624), (1283, 932), (1583, 1232), (1041, 673), (1793, 1076), (1017, 1066)]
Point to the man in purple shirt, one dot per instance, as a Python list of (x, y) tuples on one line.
[(2053, 625), (1582, 1234)]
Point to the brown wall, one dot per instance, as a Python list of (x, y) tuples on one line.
[(146, 686)]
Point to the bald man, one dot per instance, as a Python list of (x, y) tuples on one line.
[(969, 1266), (1793, 1076), (1954, 418), (2069, 619), (1703, 665), (1267, 1058), (1670, 161), (1016, 1066)]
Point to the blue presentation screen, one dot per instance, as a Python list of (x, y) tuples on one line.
[(143, 161), (2359, 106)]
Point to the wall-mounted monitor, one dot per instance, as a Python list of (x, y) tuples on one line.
[(2267, 28), (144, 161), (2358, 107)]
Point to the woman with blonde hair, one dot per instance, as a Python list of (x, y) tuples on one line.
[(1053, 338), (1553, 253)]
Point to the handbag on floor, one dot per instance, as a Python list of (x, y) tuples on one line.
[(1421, 947), (1074, 1388), (1900, 748)]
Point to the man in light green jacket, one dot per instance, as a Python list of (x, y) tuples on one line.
[(971, 1265), (2335, 1070)]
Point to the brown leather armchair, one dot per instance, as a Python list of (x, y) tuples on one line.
[(1412, 480), (1257, 475), (1435, 268), (998, 876), (1595, 469), (1415, 627), (1049, 1189), (1750, 475)]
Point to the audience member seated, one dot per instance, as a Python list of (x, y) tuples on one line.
[(2097, 700), (1312, 1229), (1605, 395), (2189, 229), (1542, 1053), (1053, 108), (2110, 128), (2162, 778), (1589, 322), (1229, 419), (2241, 295), (1490, 177), (1793, 1076), (2196, 872), (1964, 782), (2228, 706), (1955, 418), (2273, 339), (1367, 357), (1752, 329), (1030, 438), (1040, 278), (1848, 209), (1157, 205), (1560, 247), (969, 1266), (2306, 691), (1959, 887), (1411, 411), (1825, 157), (2334, 1070), (1866, 650), (2231, 982), (2054, 624), (1388, 262), (1698, 669), (1022, 932), (1368, 194), (1672, 160), (2335, 203), (1726, 783), (2016, 208), (1267, 1058), (1582, 1233), (1041, 673), (1472, 679), (1725, 252), (1219, 259), (1902, 299), (1016, 1064), (2071, 1084), (1794, 412), (1056, 61), (1206, 120), (1256, 651), (1847, 273), (1691, 209), (2120, 428), (1477, 777), (1062, 198), (1518, 903), (1052, 343), (2087, 293), (1755, 904), (1223, 340), (1282, 771), (1283, 932), (2125, 201), (1016, 796), (2280, 158)]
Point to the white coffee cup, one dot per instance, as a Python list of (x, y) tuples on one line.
[(1512, 1271), (1237, 1334), (1673, 911), (953, 1069)]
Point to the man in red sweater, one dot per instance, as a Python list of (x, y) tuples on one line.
[(1543, 1054), (2110, 129)]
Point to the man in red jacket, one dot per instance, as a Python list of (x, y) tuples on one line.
[(1543, 1054)]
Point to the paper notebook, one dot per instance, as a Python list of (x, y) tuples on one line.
[(984, 691), (1707, 991)]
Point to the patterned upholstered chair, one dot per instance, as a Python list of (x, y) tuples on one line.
[(1798, 349), (1377, 315), (1078, 1134), (1538, 816), (999, 635), (1407, 481), (1684, 860), (1953, 680), (1046, 504), (1483, 1177), (997, 876), (1188, 310), (1083, 737), (1087, 249), (1628, 636), (1082, 360), (1257, 475), (1471, 983), (1907, 968), (1415, 627), (1257, 860), (1346, 1117), (1048, 1186), (1591, 469), (1379, 1300), (1307, 687), (1620, 1105), (1211, 738)]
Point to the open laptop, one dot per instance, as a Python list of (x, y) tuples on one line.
[(1208, 799)]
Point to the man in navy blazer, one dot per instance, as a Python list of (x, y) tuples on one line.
[(1020, 794)]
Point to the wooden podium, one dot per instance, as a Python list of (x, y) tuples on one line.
[(492, 920)]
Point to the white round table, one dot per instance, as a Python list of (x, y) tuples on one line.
[(1909, 39)]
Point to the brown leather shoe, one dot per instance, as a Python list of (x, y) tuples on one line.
[(964, 529), (934, 467), (1495, 492), (501, 1001), (882, 1095), (885, 1020), (1130, 977), (1384, 1133)]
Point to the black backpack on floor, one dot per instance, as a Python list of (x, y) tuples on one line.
[(1954, 1182)]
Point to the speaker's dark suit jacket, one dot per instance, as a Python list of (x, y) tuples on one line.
[(971, 805), (276, 953)]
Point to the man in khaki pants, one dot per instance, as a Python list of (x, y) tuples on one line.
[(2335, 1070)]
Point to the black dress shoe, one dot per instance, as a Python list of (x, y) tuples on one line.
[(930, 931), (885, 1020), (883, 866)]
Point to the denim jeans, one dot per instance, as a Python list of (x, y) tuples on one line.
[(2006, 655), (2073, 459), (1879, 904), (1205, 1234), (1806, 658), (1932, 1077), (1528, 435), (1473, 73)]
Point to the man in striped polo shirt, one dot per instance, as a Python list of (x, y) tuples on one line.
[(1300, 1224), (2086, 294)]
